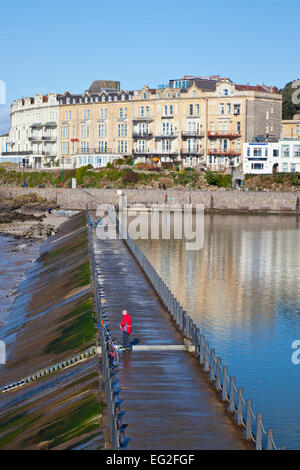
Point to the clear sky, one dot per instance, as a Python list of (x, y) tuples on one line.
[(64, 45)]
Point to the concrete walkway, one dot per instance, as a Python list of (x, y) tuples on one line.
[(168, 401)]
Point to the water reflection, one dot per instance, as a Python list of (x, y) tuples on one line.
[(243, 290)]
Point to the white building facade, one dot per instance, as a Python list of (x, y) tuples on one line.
[(32, 139), (271, 157)]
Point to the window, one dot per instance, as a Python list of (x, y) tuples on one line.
[(285, 151), (285, 167), (293, 167), (142, 110), (166, 110), (238, 126), (257, 152), (123, 97), (177, 94), (197, 109), (191, 109), (222, 108), (194, 94), (212, 127), (103, 98), (125, 112), (171, 110), (238, 145), (275, 153), (237, 109), (298, 129), (147, 110), (228, 108), (220, 126), (257, 166), (266, 152), (297, 150), (121, 112), (226, 92), (248, 152)]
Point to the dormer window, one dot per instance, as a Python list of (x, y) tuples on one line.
[(226, 92), (86, 99), (115, 98), (194, 94), (68, 100), (123, 97), (103, 97), (168, 95), (177, 94), (145, 96)]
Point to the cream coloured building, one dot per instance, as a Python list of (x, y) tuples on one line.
[(204, 124), (193, 121), (291, 128)]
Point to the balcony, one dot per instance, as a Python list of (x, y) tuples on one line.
[(191, 151), (167, 136), (24, 152), (143, 118), (142, 135), (35, 138), (228, 152), (195, 134), (49, 138), (88, 151), (225, 134)]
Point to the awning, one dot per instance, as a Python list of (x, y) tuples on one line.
[(50, 124), (37, 125)]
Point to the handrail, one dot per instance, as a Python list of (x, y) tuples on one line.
[(240, 409), (117, 428)]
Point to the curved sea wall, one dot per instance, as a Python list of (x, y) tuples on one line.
[(219, 200), (51, 319)]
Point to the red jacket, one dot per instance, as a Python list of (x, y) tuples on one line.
[(126, 323)]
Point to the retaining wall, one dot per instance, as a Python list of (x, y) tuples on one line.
[(240, 201)]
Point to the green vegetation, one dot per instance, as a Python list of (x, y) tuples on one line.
[(81, 418), (217, 179), (76, 329), (288, 107), (275, 182)]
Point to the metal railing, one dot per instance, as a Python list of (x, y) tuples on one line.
[(112, 391), (237, 406)]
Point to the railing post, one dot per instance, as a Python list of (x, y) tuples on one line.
[(270, 439), (218, 374), (240, 407), (232, 395), (206, 357), (225, 384), (212, 365), (249, 420), (201, 349), (259, 432)]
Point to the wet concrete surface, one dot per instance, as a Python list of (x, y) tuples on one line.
[(168, 401)]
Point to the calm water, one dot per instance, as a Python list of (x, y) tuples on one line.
[(243, 290), (16, 257)]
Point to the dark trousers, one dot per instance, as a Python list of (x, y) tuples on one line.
[(126, 342)]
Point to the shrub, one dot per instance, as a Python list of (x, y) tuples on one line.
[(130, 176)]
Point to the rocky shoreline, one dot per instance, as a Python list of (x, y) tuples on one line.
[(29, 217)]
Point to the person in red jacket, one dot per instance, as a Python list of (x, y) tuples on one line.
[(126, 327)]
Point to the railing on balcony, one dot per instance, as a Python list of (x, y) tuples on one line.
[(172, 135), (155, 152), (142, 135), (186, 134), (35, 138), (228, 134), (220, 151), (49, 138), (23, 152), (142, 118), (88, 151), (191, 151)]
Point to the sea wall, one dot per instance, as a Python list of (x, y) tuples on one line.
[(52, 319), (220, 200)]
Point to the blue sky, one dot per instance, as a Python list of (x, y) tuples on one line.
[(65, 45)]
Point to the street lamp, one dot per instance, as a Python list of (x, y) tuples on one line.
[(191, 159), (62, 162)]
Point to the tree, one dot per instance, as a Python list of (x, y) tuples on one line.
[(288, 107)]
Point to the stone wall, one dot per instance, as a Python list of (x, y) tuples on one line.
[(240, 201)]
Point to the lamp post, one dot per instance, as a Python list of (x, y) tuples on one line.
[(62, 176), (191, 159)]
